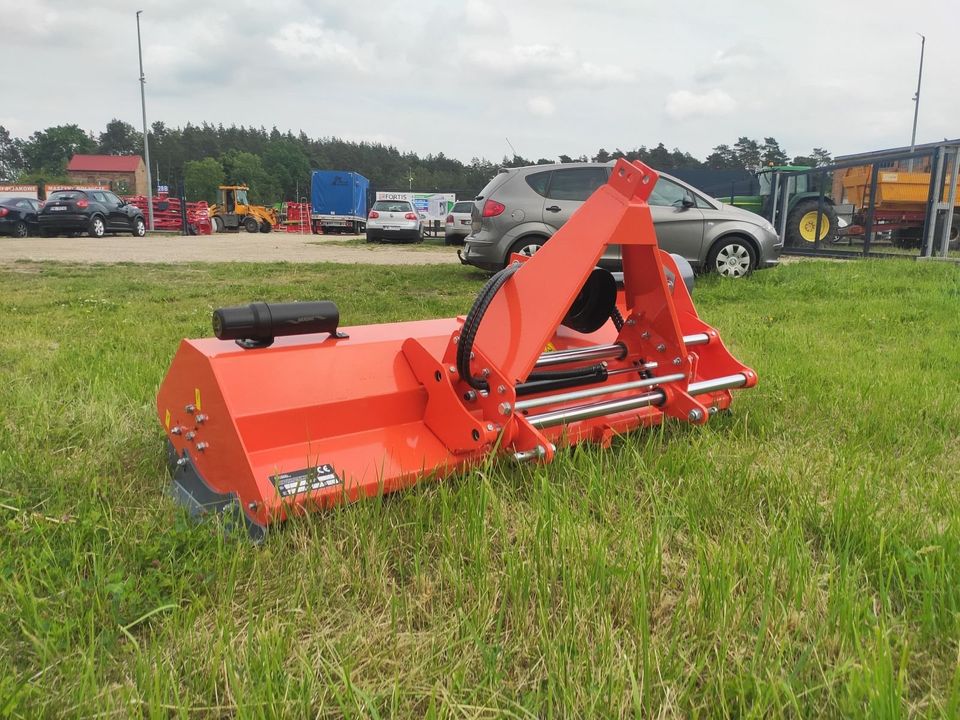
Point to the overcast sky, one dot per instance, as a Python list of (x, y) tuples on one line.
[(459, 77)]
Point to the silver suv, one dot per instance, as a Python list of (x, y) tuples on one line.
[(521, 208)]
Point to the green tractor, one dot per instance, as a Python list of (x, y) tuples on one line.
[(804, 193)]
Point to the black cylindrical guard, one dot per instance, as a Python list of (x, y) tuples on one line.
[(594, 303), (259, 323)]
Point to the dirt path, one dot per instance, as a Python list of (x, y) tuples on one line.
[(275, 247)]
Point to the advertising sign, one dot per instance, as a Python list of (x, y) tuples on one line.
[(435, 206)]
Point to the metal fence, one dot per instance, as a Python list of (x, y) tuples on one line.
[(895, 204)]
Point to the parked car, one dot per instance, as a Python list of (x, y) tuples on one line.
[(521, 208), (95, 212), (458, 223), (18, 216), (394, 220)]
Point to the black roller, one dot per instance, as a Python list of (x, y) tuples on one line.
[(257, 324), (594, 303)]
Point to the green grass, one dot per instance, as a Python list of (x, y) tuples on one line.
[(799, 557)]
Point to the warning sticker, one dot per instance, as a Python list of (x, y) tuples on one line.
[(306, 480)]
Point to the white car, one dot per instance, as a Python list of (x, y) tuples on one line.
[(394, 220), (458, 223)]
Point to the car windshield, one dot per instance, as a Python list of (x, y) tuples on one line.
[(65, 195), (392, 206), (242, 197)]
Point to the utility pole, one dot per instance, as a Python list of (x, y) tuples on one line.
[(146, 143), (916, 100)]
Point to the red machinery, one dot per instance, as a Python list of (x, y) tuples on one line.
[(282, 422)]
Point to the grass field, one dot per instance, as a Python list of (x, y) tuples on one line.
[(799, 557)]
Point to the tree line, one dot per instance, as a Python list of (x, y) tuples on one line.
[(276, 165)]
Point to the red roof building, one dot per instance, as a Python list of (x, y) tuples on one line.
[(124, 174)]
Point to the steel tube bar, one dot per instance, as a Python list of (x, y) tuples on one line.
[(595, 391), (612, 407), (602, 352)]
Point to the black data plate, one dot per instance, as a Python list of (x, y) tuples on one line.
[(306, 480)]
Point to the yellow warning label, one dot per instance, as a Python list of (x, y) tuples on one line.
[(166, 420), (549, 347), (196, 398)]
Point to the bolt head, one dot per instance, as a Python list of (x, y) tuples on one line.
[(501, 389), (485, 372), (190, 409), (677, 361), (490, 427), (695, 415), (661, 347), (505, 408)]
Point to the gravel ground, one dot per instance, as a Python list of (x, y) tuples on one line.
[(275, 247)]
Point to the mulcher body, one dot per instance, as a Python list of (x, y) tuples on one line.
[(554, 352)]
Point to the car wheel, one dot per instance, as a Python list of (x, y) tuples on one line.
[(217, 224), (371, 238), (732, 258), (419, 238), (97, 227), (524, 246), (139, 227), (20, 230), (265, 227), (251, 225)]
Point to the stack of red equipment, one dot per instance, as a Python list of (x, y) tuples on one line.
[(298, 218), (166, 213)]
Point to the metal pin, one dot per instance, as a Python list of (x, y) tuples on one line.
[(201, 446)]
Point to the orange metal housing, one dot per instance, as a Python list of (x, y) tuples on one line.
[(313, 421)]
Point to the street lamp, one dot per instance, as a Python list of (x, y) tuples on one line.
[(146, 143), (916, 100)]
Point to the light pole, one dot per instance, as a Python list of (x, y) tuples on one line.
[(146, 143), (916, 100)]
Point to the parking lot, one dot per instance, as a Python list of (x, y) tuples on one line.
[(240, 247)]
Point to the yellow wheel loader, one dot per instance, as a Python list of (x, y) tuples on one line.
[(234, 211)]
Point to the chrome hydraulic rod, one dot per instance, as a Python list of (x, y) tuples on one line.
[(612, 407), (603, 352), (595, 391)]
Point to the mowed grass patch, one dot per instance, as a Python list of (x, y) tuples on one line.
[(798, 557)]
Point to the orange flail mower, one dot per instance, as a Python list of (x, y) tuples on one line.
[(284, 413)]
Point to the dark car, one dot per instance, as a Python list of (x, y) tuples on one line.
[(95, 212), (18, 216)]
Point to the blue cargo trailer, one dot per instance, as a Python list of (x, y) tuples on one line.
[(338, 201)]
